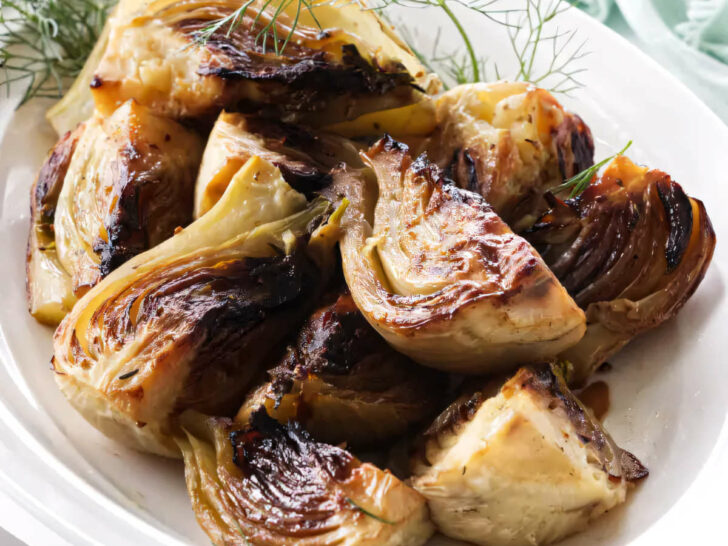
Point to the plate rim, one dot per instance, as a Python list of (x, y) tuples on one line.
[(26, 444)]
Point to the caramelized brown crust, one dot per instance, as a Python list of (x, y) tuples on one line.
[(546, 382), (129, 184), (273, 484), (308, 74), (202, 316), (631, 250), (509, 142), (44, 193), (305, 76), (47, 284), (344, 383), (520, 463), (303, 156), (441, 276), (302, 472)]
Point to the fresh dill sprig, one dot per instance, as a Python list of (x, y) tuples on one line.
[(579, 182), (531, 34), (44, 43), (233, 21), (368, 513), (459, 68), (269, 30), (485, 8), (529, 28), (453, 67)]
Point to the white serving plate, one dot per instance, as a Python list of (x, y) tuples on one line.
[(63, 482)]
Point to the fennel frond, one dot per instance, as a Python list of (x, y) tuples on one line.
[(531, 34), (579, 182), (44, 43), (269, 32)]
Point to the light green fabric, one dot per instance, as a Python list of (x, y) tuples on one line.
[(688, 37), (702, 24), (706, 27), (596, 8)]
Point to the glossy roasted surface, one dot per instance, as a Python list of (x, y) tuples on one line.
[(190, 322), (521, 462), (441, 276), (510, 142), (294, 476), (631, 250), (303, 156), (344, 383), (129, 184), (347, 66), (47, 283), (272, 484)]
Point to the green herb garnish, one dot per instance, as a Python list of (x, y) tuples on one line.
[(269, 31), (462, 68), (579, 182), (368, 513), (528, 36), (530, 32), (44, 43)]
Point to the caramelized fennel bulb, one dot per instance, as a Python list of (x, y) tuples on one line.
[(270, 484), (129, 184), (48, 285), (631, 250), (440, 276), (509, 142), (304, 157), (344, 384), (351, 64), (526, 466), (188, 323)]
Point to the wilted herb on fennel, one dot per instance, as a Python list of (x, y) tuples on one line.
[(269, 31), (44, 43), (368, 513), (579, 182)]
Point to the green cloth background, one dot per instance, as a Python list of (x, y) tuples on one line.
[(688, 37)]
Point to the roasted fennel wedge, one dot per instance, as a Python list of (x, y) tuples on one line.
[(631, 250), (524, 466), (188, 323), (48, 284), (344, 384), (304, 157), (437, 273), (510, 142), (270, 484), (338, 61), (129, 184)]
